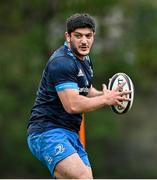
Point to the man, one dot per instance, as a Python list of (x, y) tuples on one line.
[(65, 92)]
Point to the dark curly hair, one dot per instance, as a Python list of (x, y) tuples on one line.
[(83, 20)]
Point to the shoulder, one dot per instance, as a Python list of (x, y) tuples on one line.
[(61, 65), (62, 62), (61, 58)]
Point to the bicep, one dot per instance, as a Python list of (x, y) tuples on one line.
[(68, 97)]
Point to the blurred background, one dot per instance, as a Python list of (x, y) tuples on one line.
[(119, 146)]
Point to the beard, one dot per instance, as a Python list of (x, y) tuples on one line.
[(76, 52)]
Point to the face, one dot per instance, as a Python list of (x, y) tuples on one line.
[(80, 41)]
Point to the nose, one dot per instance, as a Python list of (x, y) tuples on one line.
[(84, 40)]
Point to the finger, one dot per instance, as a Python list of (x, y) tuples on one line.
[(124, 99), (120, 104), (104, 86), (125, 92)]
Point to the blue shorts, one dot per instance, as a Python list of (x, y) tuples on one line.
[(52, 146)]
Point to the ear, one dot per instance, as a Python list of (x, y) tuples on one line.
[(67, 37)]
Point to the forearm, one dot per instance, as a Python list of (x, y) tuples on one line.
[(86, 104), (94, 92)]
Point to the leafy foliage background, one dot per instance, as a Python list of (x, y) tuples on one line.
[(119, 146)]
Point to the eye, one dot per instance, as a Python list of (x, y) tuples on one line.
[(89, 36), (78, 36)]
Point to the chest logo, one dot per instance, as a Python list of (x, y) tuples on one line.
[(80, 73)]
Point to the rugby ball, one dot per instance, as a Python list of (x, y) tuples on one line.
[(116, 80)]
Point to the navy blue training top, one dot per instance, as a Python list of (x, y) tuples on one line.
[(62, 71)]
